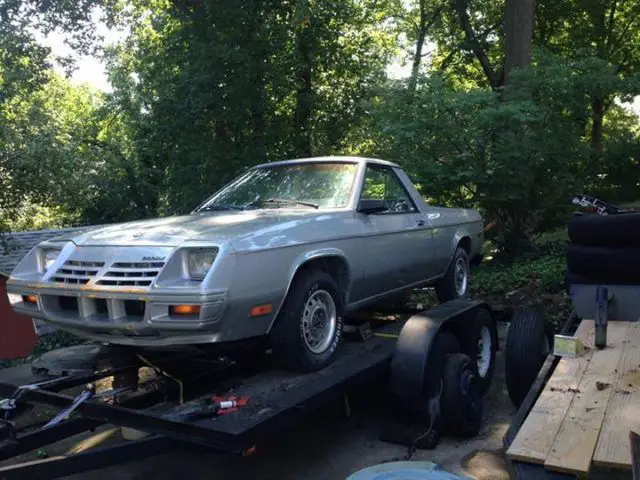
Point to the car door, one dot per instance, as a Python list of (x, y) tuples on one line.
[(399, 248)]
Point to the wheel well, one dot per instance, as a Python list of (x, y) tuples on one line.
[(333, 265), (465, 242)]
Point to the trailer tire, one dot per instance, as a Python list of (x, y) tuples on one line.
[(529, 341), (462, 400), (455, 283), (444, 345), (622, 262), (479, 342), (618, 230), (314, 297)]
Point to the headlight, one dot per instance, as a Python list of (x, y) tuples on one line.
[(49, 255), (199, 262)]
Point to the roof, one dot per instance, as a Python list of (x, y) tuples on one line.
[(330, 158), (20, 243)]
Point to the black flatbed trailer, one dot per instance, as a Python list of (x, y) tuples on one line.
[(277, 398)]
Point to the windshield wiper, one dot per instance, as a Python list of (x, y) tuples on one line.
[(287, 201), (220, 207)]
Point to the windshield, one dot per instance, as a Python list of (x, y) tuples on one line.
[(302, 185)]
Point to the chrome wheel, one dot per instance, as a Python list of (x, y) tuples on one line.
[(319, 321), (484, 351), (461, 276)]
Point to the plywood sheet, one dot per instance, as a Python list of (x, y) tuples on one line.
[(575, 443), (538, 432), (623, 415)]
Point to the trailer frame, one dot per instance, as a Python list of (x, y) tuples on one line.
[(277, 399)]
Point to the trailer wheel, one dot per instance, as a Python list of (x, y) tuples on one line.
[(445, 344), (455, 283), (480, 344), (462, 401), (529, 341), (309, 327)]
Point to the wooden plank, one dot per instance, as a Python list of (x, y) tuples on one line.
[(575, 443), (623, 415), (535, 438)]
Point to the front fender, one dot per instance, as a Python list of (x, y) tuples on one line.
[(303, 259)]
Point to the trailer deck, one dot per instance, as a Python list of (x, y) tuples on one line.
[(276, 399), (583, 415)]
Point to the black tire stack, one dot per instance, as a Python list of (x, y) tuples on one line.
[(604, 249)]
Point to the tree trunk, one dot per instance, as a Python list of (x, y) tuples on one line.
[(518, 30), (304, 94), (417, 59), (259, 96), (597, 117)]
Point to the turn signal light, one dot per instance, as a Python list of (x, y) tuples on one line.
[(260, 310), (185, 309), (31, 299)]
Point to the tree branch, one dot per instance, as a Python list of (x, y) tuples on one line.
[(461, 8), (612, 13)]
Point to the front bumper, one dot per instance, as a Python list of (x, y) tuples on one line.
[(128, 317)]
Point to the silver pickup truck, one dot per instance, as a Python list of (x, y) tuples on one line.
[(278, 255)]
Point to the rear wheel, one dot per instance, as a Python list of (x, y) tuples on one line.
[(455, 283), (309, 327), (479, 342)]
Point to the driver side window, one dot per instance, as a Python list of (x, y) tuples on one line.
[(381, 183)]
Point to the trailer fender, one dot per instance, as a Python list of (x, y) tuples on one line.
[(410, 359)]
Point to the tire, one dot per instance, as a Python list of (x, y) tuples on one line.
[(290, 340), (606, 262), (528, 342), (444, 345), (618, 230), (446, 287), (475, 345), (462, 401)]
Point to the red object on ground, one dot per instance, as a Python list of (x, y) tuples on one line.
[(17, 336)]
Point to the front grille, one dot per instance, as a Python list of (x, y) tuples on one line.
[(139, 274), (78, 309), (77, 272)]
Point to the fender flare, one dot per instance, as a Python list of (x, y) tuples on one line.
[(410, 359), (300, 261)]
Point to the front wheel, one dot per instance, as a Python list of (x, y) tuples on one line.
[(309, 327), (455, 283)]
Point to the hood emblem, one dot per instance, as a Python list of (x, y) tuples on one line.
[(152, 259)]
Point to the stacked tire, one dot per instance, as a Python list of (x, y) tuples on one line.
[(604, 249)]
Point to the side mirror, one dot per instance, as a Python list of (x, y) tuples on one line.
[(368, 206)]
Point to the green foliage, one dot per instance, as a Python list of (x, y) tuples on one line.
[(543, 274), (518, 155), (202, 90)]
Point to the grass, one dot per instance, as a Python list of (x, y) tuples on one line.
[(535, 278)]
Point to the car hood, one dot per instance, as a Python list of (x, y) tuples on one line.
[(172, 231)]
